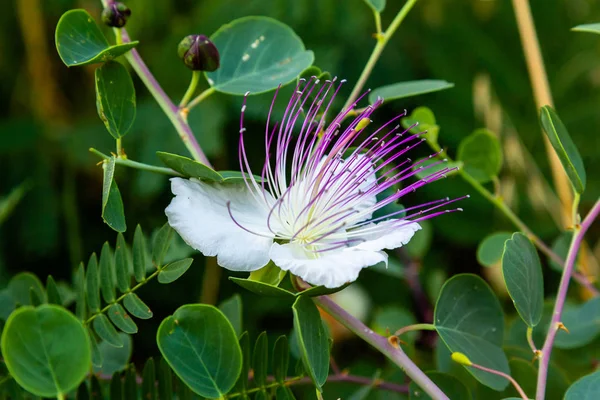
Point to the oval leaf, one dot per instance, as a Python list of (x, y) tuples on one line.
[(564, 147), (188, 167), (173, 271), (583, 323), (106, 331), (121, 319), (139, 254), (257, 55), (46, 350), (232, 308), (281, 358), (469, 319), (113, 212), (402, 90), (522, 273), (312, 340), (79, 41), (586, 388), (490, 249), (481, 154), (263, 289), (115, 98), (114, 359), (260, 359), (591, 28), (201, 347), (377, 5), (92, 283), (20, 286), (161, 244), (136, 306)]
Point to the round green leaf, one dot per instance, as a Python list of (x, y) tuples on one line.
[(312, 340), (257, 55), (591, 28), (452, 387), (402, 90), (522, 273), (202, 348), (20, 285), (46, 349), (586, 388), (377, 5), (115, 359), (79, 41), (232, 308), (469, 319), (115, 98), (490, 249), (422, 119), (173, 271), (583, 323), (261, 288), (481, 154), (565, 148)]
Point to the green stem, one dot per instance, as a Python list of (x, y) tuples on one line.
[(191, 89), (119, 148), (377, 16), (382, 40), (120, 298), (201, 97), (60, 396), (137, 165), (415, 327)]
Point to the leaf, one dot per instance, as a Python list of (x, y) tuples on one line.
[(9, 202), (262, 289), (173, 271), (92, 279), (34, 297), (232, 309), (281, 358), (165, 381), (586, 388), (116, 387), (21, 284), (583, 323), (284, 393), (79, 285), (560, 247), (161, 244), (136, 306), (139, 254), (402, 90), (257, 55), (113, 212), (97, 358), (377, 5), (188, 167), (130, 386), (270, 274), (481, 154), (121, 319), (422, 120), (451, 386), (122, 267), (565, 148), (52, 291), (149, 381), (107, 273), (469, 319), (242, 382), (96, 389), (115, 98), (364, 392), (316, 291), (490, 249), (201, 347), (79, 41), (115, 359), (46, 350), (260, 359), (428, 166), (106, 331), (312, 340), (522, 273), (590, 28)]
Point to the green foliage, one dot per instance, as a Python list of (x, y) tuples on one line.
[(452, 387), (79, 41), (201, 347), (114, 359), (481, 154), (591, 28), (149, 381), (522, 272), (312, 340), (469, 320), (45, 349), (263, 289), (583, 323), (113, 211), (565, 148), (257, 55), (232, 309), (490, 249), (402, 90), (173, 271), (377, 5), (115, 98), (586, 388)]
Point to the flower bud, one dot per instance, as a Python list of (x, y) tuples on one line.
[(198, 53), (116, 15)]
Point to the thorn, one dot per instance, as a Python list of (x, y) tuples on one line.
[(561, 326), (395, 341), (537, 355)]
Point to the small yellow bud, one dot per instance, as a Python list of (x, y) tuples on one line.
[(461, 359), (363, 123)]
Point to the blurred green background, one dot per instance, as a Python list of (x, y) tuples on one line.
[(48, 121)]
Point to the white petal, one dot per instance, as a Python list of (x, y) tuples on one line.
[(389, 234), (370, 179), (199, 213), (332, 269)]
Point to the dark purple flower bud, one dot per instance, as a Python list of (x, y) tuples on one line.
[(198, 53), (116, 15)]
